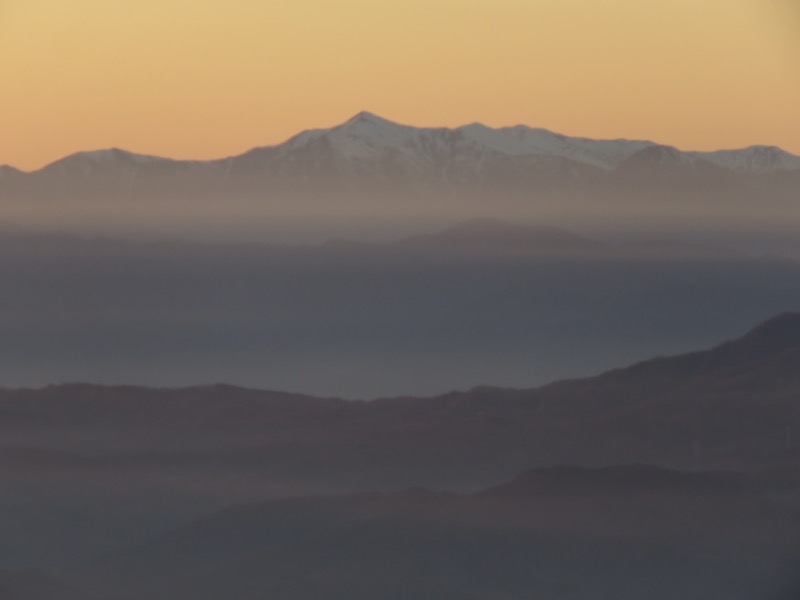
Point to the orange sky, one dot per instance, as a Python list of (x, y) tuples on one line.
[(204, 79)]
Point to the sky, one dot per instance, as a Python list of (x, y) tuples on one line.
[(206, 79)]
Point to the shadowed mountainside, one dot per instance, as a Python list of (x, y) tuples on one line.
[(624, 532), (125, 462), (711, 397)]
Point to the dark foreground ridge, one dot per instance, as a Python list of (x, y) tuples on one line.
[(733, 406), (626, 532), (91, 469)]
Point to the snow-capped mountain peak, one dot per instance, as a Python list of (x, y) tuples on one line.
[(367, 118), (366, 133), (521, 140), (367, 136), (359, 137), (367, 150)]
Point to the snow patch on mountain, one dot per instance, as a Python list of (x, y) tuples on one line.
[(755, 159), (382, 149), (521, 140)]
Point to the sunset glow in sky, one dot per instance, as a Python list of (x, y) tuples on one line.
[(206, 79)]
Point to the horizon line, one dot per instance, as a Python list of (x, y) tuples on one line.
[(366, 114)]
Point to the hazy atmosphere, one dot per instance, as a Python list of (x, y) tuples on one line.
[(357, 300)]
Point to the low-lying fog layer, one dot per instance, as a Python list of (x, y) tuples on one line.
[(484, 302)]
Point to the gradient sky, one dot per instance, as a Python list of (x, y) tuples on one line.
[(205, 78)]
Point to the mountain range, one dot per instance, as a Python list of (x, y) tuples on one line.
[(367, 154), (125, 463), (675, 477)]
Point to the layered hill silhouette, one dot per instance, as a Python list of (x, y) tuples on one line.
[(126, 462), (733, 405), (624, 532)]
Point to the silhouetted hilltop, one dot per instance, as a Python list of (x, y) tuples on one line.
[(773, 336), (730, 405), (766, 355)]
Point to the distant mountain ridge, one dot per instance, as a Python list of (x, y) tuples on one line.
[(368, 152), (365, 135), (737, 397)]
